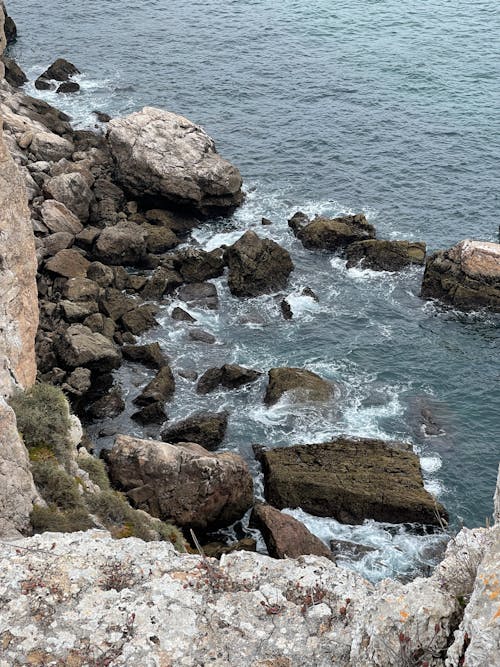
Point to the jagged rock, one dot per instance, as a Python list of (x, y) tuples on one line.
[(86, 238), (205, 428), (60, 70), (163, 281), (331, 233), (182, 483), (53, 243), (76, 312), (58, 218), (68, 87), (159, 239), (149, 355), (81, 289), (160, 389), (181, 315), (97, 323), (199, 295), (139, 320), (351, 550), (230, 376), (466, 276), (78, 382), (125, 243), (115, 304), (257, 266), (13, 73), (181, 225), (385, 255), (153, 413), (41, 83), (110, 405), (162, 154), (8, 28), (79, 346), (73, 191), (304, 384), (218, 549), (201, 336), (351, 480), (50, 147), (196, 266), (68, 263), (101, 274), (285, 536), (286, 310), (109, 200)]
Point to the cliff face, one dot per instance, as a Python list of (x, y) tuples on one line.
[(18, 324)]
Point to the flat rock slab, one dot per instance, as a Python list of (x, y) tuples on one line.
[(350, 480), (163, 154)]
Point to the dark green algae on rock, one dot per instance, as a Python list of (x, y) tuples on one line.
[(351, 480)]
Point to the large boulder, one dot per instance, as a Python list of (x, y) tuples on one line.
[(285, 536), (58, 218), (304, 385), (60, 70), (73, 191), (230, 376), (196, 265), (205, 428), (125, 243), (257, 266), (160, 389), (162, 154), (331, 233), (385, 255), (79, 346), (182, 483), (68, 263), (47, 146), (13, 73), (351, 480), (466, 276), (149, 354)]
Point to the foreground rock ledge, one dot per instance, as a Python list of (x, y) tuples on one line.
[(466, 276), (351, 480), (162, 154), (81, 598)]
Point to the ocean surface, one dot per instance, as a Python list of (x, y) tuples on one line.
[(327, 107)]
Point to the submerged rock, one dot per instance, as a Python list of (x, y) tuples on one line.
[(331, 233), (205, 428), (305, 385), (182, 483), (230, 376), (161, 154), (285, 536), (466, 276), (257, 266), (385, 255), (351, 480), (199, 295)]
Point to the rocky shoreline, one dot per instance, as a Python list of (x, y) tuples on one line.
[(96, 218)]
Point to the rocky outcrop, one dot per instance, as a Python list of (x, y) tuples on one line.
[(351, 480), (379, 255), (285, 536), (299, 384), (466, 276), (331, 233), (161, 154), (182, 483), (205, 428), (257, 266), (229, 376)]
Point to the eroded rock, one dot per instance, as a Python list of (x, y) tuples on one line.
[(205, 428), (380, 255), (299, 384)]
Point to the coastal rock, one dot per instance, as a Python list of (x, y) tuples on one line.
[(68, 263), (351, 480), (180, 315), (60, 70), (47, 146), (163, 281), (160, 389), (201, 336), (205, 428), (79, 346), (305, 385), (385, 255), (73, 191), (257, 266), (153, 413), (199, 295), (53, 243), (331, 233), (58, 218), (140, 319), (162, 154), (123, 244), (150, 355), (160, 239), (68, 87), (196, 266), (285, 536), (182, 483), (13, 73), (466, 276), (230, 376), (108, 406)]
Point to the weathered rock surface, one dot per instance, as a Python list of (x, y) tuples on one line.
[(230, 376), (50, 147), (299, 384), (385, 255), (466, 276), (149, 354), (160, 389), (331, 233), (61, 70), (257, 266), (79, 346), (73, 191), (103, 597), (182, 483), (205, 428), (351, 480), (58, 218), (286, 537), (68, 263), (13, 73), (199, 295), (196, 266), (162, 154), (125, 243)]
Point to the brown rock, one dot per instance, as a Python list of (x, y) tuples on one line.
[(153, 413), (150, 355), (49, 146), (79, 346), (206, 428), (230, 376), (304, 384), (60, 70), (13, 73), (159, 239), (160, 389), (257, 266), (285, 536), (201, 336), (125, 243), (199, 295), (331, 233), (184, 483), (81, 289), (351, 480), (68, 263), (139, 320), (58, 218), (181, 315), (385, 255), (196, 266), (163, 281), (109, 406), (73, 191), (56, 242)]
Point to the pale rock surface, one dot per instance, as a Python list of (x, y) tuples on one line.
[(58, 218), (161, 153), (73, 191)]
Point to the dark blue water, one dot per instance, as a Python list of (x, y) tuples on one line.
[(374, 105)]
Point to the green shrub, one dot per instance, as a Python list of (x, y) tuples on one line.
[(96, 468), (56, 486), (170, 533), (54, 520), (43, 418)]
